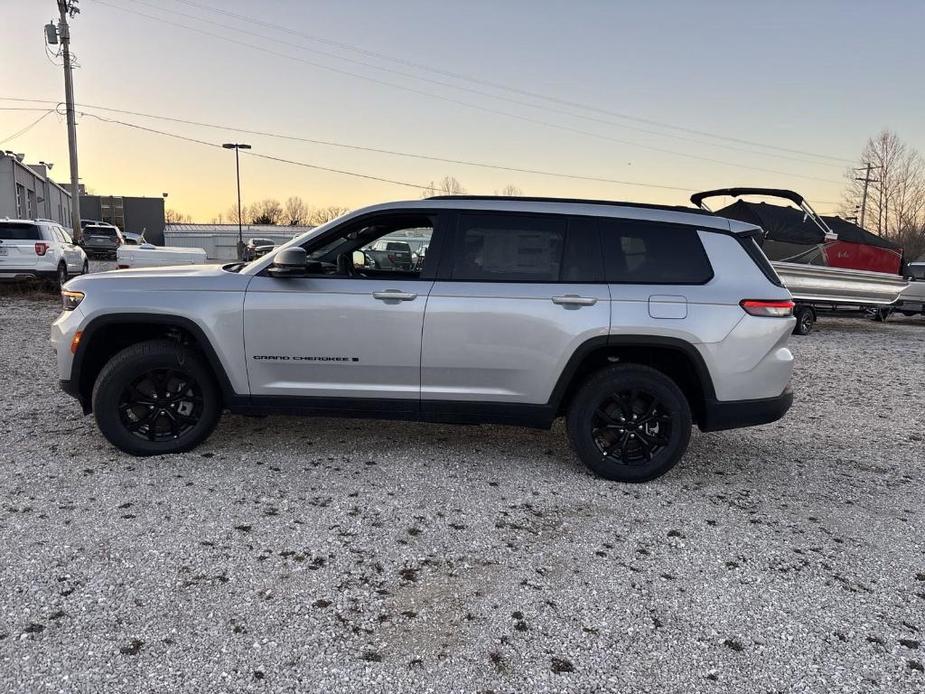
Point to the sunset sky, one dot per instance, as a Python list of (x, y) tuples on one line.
[(814, 78)]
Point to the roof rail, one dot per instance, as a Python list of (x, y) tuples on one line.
[(578, 201)]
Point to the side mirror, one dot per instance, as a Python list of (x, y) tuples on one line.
[(290, 262), (359, 259)]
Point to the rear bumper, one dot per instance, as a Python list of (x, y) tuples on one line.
[(14, 275), (733, 414)]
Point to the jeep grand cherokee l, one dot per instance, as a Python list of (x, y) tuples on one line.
[(631, 321)]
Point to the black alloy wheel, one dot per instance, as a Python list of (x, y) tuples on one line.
[(156, 397), (161, 405), (631, 427), (629, 423)]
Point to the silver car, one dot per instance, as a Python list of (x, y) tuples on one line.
[(631, 321)]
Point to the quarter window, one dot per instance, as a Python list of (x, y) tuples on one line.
[(638, 252), (512, 248)]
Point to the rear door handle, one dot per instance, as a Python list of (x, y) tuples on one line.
[(574, 300), (394, 295)]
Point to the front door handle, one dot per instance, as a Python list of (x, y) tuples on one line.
[(394, 295), (574, 300)]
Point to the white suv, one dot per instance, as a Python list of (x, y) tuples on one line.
[(632, 321), (39, 249)]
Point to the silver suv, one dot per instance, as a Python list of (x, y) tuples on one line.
[(632, 321)]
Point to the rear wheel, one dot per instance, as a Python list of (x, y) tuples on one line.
[(156, 397), (629, 423), (806, 319), (60, 276)]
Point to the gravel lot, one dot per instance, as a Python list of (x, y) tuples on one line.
[(334, 555)]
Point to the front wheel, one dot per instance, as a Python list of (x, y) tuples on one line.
[(156, 397), (629, 423)]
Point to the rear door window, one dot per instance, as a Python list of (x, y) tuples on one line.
[(509, 248), (642, 252), (13, 231)]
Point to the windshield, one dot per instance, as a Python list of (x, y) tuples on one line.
[(19, 231)]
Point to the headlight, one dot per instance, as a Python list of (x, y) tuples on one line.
[(70, 299)]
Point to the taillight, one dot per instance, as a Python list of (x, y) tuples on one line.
[(41, 248), (768, 309)]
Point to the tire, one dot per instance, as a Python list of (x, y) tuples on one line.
[(880, 315), (130, 392), (806, 319), (61, 276), (629, 407)]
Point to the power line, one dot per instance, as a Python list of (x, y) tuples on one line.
[(497, 85), (355, 174), (377, 150), (467, 104), (269, 157), (26, 129), (363, 148), (470, 90)]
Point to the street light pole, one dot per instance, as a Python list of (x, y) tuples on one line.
[(237, 168)]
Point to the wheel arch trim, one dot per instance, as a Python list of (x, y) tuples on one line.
[(166, 320), (594, 344)]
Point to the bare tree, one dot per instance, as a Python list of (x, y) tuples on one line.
[(232, 215), (321, 215), (295, 211), (267, 211), (448, 185), (174, 217), (510, 190), (896, 197)]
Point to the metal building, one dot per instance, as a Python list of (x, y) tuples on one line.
[(133, 214), (27, 191), (220, 240)]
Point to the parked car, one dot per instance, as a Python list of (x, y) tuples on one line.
[(250, 248), (133, 239), (39, 249), (911, 301), (101, 240), (149, 255), (415, 246), (632, 321)]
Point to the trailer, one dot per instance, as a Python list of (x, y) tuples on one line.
[(814, 286)]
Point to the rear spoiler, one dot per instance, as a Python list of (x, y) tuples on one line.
[(794, 197)]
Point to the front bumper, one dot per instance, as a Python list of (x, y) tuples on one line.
[(72, 389), (734, 414)]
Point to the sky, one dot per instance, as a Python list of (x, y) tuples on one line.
[(686, 96)]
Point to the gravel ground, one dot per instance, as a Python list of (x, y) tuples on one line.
[(335, 555)]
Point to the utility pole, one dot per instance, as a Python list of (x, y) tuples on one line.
[(237, 146), (68, 8), (867, 180)]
